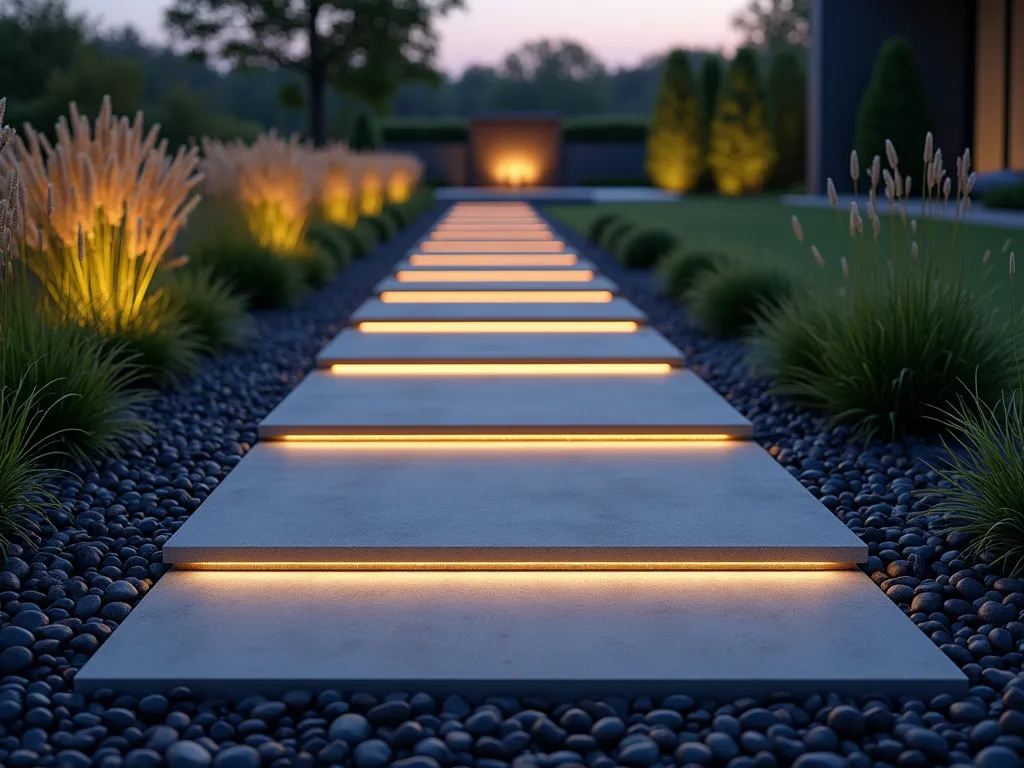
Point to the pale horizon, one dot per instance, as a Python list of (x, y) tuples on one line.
[(623, 33)]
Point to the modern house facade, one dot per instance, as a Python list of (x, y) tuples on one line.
[(971, 53)]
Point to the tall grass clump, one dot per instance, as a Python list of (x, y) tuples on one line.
[(907, 329), (403, 173), (339, 192), (102, 206), (368, 172), (983, 489), (213, 307)]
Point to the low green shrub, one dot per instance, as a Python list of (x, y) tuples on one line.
[(331, 240), (645, 248), (363, 238), (1011, 197), (162, 341), (218, 315), (383, 227), (87, 394), (398, 214), (265, 279), (599, 224), (679, 271), (727, 302), (316, 266), (397, 130), (614, 234), (627, 129)]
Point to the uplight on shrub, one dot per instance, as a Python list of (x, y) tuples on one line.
[(403, 173)]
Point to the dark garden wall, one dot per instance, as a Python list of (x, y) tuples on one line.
[(847, 37), (588, 163), (446, 163)]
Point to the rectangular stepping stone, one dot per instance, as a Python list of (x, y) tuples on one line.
[(561, 635), (491, 233), (678, 403), (616, 309), (502, 263), (642, 507), (492, 260), (644, 346), (492, 246), (597, 283)]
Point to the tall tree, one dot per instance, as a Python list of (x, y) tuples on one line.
[(674, 151), (37, 38), (787, 116), (741, 153), (769, 24), (560, 75), (364, 48)]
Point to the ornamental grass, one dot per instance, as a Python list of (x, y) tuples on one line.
[(908, 333), (339, 193), (101, 207)]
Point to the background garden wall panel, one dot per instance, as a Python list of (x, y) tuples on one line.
[(847, 37), (446, 161), (582, 162)]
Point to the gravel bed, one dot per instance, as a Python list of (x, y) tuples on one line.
[(58, 603)]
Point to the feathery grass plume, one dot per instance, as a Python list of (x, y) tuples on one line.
[(905, 331), (817, 256), (404, 173), (798, 230), (833, 198), (854, 167), (276, 182), (339, 189), (369, 169), (109, 201)]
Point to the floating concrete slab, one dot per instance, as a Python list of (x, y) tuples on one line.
[(645, 345), (598, 283), (667, 404), (492, 246), (582, 265), (616, 309), (638, 507), (571, 635)]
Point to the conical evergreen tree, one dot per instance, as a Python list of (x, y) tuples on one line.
[(895, 107), (741, 154), (674, 151), (787, 117), (365, 133)]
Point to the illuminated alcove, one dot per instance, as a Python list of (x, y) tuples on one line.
[(516, 151)]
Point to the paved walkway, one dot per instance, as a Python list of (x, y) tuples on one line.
[(500, 480), (978, 214)]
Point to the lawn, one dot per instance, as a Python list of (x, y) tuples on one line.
[(760, 229)]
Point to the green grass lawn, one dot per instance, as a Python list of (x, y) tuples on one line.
[(760, 229)]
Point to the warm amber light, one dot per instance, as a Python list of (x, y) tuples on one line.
[(496, 297), (524, 441), (490, 246), (512, 566), (516, 171), (493, 233), (499, 326), (497, 276), (476, 226), (501, 369), (493, 260)]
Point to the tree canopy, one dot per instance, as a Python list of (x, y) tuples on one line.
[(771, 24), (364, 48)]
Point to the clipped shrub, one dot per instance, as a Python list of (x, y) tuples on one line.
[(645, 248), (95, 247), (894, 107), (265, 279), (675, 155), (1011, 196), (905, 336), (599, 224), (441, 130), (680, 271), (366, 133), (316, 266), (605, 129), (787, 117), (331, 240), (616, 234), (383, 227), (217, 314), (740, 149), (363, 238), (398, 214), (728, 301)]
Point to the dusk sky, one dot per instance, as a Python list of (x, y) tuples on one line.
[(620, 31)]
